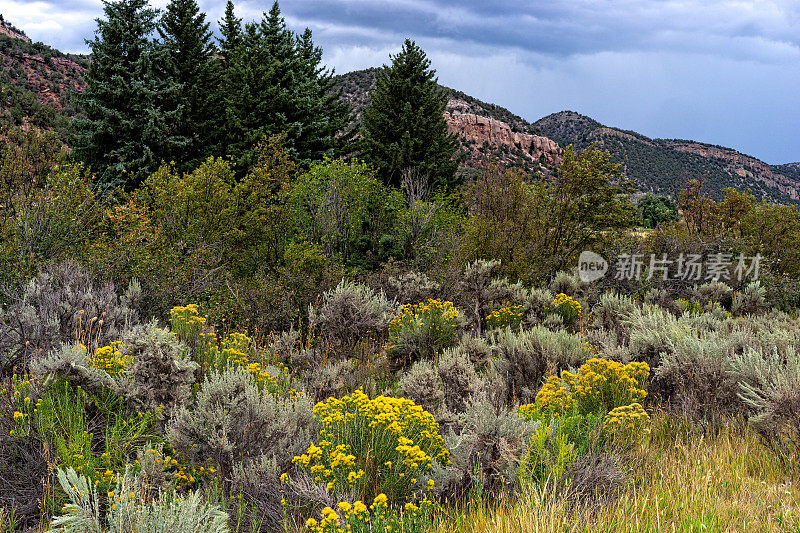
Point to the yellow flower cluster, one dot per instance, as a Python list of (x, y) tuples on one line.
[(357, 517), (109, 358), (425, 311), (186, 321), (692, 308), (566, 307), (627, 425), (598, 385), (423, 329), (505, 316), (391, 441), (21, 400), (232, 351)]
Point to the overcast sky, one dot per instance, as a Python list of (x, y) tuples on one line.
[(725, 72)]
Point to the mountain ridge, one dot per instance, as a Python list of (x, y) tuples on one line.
[(664, 165)]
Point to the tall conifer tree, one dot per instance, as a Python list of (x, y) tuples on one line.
[(188, 62), (403, 127), (129, 113), (275, 84)]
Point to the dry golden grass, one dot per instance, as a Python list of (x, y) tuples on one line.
[(684, 479)]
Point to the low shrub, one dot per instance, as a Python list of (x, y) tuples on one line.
[(129, 512), (769, 387), (537, 304), (63, 305), (598, 386), (441, 387), (486, 443), (420, 331), (568, 309), (565, 282), (348, 313), (693, 376), (413, 287), (233, 421), (505, 317), (373, 446), (524, 358), (715, 291), (751, 300), (626, 425), (556, 444), (160, 373)]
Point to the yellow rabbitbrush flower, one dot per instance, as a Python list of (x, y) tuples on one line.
[(423, 329), (599, 385), (566, 307), (627, 425), (370, 446), (357, 517), (505, 317), (109, 358)]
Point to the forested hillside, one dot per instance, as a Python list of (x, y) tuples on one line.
[(37, 82), (665, 165)]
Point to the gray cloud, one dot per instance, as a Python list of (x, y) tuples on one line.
[(718, 71)]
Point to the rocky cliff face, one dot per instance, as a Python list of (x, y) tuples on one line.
[(479, 130), (10, 31), (742, 167), (488, 132)]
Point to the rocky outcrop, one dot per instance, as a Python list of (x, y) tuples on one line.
[(743, 166), (10, 31), (480, 129)]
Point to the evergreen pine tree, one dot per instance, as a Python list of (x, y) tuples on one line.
[(188, 61), (403, 127), (274, 84), (129, 120), (231, 29)]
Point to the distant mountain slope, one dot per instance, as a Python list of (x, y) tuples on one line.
[(487, 131), (664, 165), (37, 83)]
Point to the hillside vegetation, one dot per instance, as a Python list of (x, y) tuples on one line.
[(302, 322), (665, 165)]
